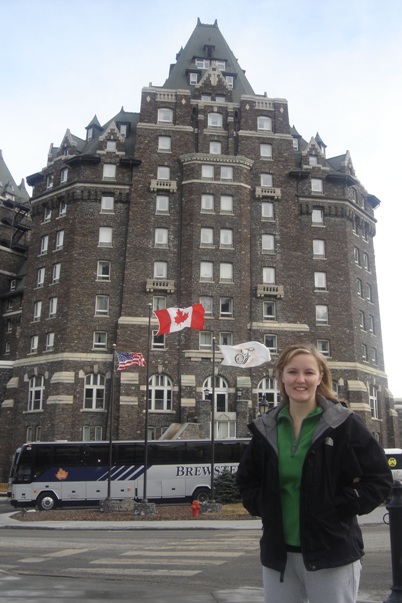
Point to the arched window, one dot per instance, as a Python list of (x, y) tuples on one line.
[(160, 392), (221, 392), (94, 395), (268, 391), (35, 392)]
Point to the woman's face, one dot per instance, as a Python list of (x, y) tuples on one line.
[(301, 377)]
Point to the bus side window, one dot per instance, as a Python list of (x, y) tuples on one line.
[(96, 454), (65, 455)]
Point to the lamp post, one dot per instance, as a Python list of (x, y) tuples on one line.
[(263, 406)]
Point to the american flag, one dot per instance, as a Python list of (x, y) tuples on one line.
[(127, 359)]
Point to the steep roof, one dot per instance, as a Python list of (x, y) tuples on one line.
[(206, 41), (8, 184)]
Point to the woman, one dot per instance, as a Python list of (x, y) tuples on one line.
[(310, 468)]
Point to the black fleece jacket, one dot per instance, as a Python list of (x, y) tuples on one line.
[(345, 473)]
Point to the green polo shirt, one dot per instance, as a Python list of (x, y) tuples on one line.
[(292, 452)]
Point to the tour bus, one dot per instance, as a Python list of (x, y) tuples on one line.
[(394, 456), (51, 474)]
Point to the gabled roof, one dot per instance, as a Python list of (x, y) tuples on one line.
[(206, 37), (8, 184)]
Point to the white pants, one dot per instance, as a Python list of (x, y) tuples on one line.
[(334, 585)]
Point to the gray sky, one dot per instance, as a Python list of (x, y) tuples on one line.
[(338, 63)]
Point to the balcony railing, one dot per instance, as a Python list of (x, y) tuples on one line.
[(163, 185), (270, 291), (160, 284), (267, 191)]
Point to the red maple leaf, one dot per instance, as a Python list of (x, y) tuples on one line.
[(180, 317)]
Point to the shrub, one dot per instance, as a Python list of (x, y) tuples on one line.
[(226, 490)]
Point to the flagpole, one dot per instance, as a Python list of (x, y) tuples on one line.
[(109, 476), (213, 423), (144, 496)]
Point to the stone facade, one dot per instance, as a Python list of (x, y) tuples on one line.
[(208, 194)]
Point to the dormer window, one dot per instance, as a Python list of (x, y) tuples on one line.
[(229, 81), (123, 129), (13, 285), (193, 79), (90, 134), (295, 144), (202, 63)]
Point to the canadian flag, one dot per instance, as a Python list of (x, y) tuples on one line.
[(176, 319)]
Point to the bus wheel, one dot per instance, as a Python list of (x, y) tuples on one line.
[(203, 495), (46, 502)]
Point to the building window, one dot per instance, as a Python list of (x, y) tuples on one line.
[(99, 340), (369, 290), (206, 271), (49, 181), (221, 393), (266, 180), (162, 204), (164, 143), (44, 245), (63, 176), (62, 209), (59, 239), (227, 173), (163, 172), (226, 204), (94, 392), (47, 214), (111, 146), (207, 204), (207, 303), (264, 123), (366, 262), (103, 270), (160, 393), (109, 171), (268, 391), (101, 305), (7, 348), (49, 345), (316, 185), (107, 204), (268, 275), (229, 81), (364, 353), (165, 115), (373, 400), (207, 237), (226, 238), (40, 278), (321, 314), (52, 307), (359, 287), (371, 324), (312, 160), (158, 341), (161, 237), (295, 144), (374, 356), (267, 210), (226, 307), (105, 236), (56, 273), (160, 269), (318, 248), (193, 79), (9, 326), (271, 342), (205, 340), (158, 302), (35, 392), (219, 98), (267, 243), (215, 147), (226, 338), (320, 281), (207, 172), (226, 272), (266, 150), (317, 216), (269, 310), (215, 120), (323, 346), (37, 311), (206, 97), (33, 344), (356, 255)]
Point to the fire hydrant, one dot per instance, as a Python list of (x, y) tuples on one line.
[(195, 508)]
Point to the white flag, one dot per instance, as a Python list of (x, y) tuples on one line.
[(245, 355)]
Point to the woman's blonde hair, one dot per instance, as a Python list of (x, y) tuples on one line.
[(324, 388)]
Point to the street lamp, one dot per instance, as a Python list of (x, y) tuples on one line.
[(263, 405)]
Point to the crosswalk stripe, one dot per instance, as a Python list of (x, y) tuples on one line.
[(208, 554), (157, 561), (135, 571)]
